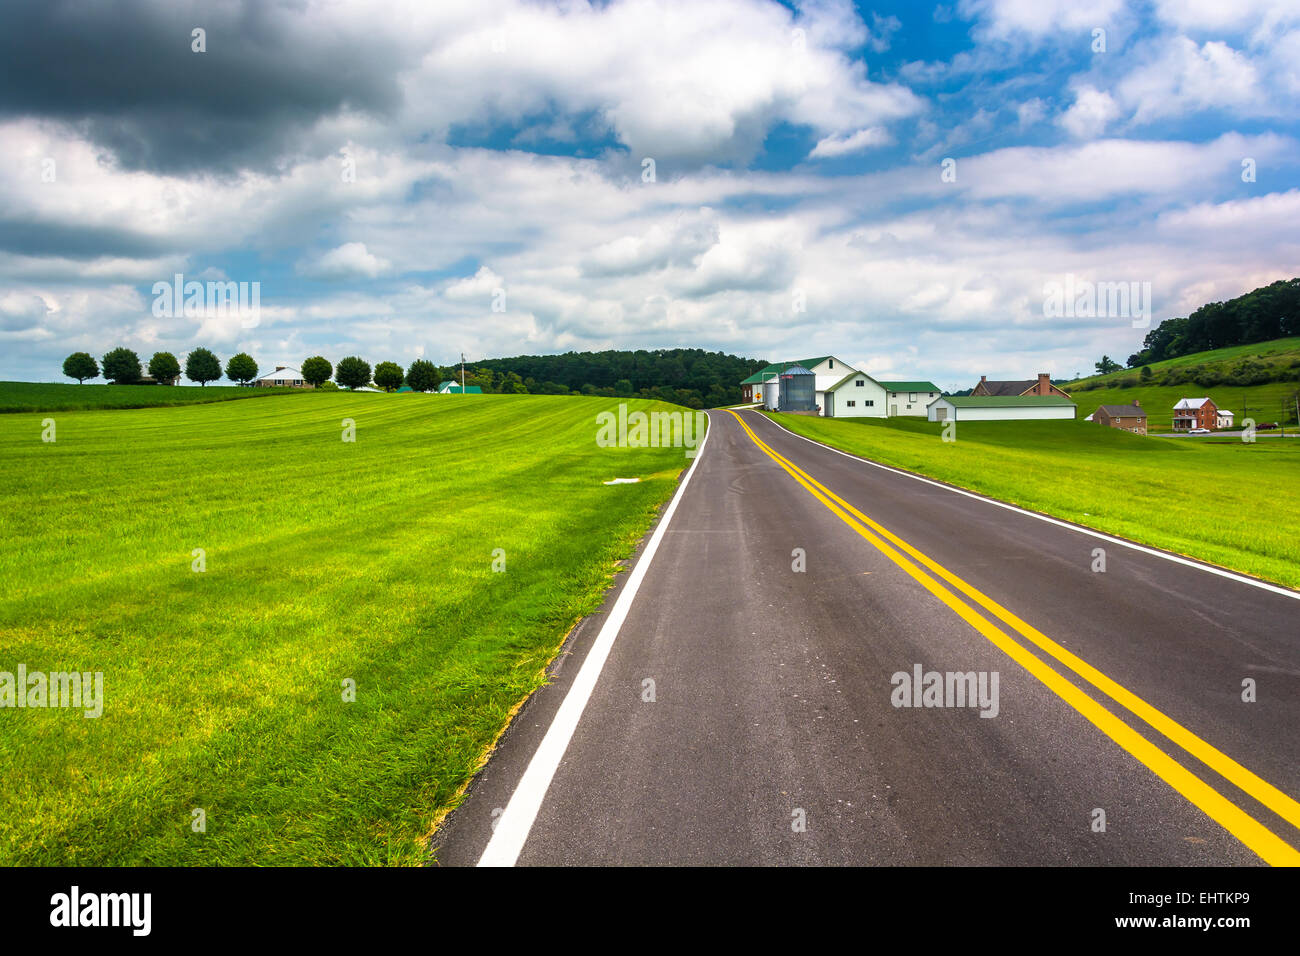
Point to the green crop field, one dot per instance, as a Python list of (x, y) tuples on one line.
[(59, 396), (229, 568), (1223, 501)]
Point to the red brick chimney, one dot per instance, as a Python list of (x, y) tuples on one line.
[(1044, 384), (1137, 403), (983, 379)]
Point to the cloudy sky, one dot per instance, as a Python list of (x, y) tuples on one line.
[(892, 183)]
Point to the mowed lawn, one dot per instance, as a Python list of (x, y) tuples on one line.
[(326, 561), (1220, 500), (57, 396)]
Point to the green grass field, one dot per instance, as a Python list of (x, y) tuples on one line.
[(326, 561), (1225, 502), (58, 396)]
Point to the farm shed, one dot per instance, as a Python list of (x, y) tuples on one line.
[(994, 408)]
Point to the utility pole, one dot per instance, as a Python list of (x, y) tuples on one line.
[(462, 373)]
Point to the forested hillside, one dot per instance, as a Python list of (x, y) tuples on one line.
[(1270, 312), (691, 377)]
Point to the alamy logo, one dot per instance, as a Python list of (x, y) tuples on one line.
[(81, 691), (103, 909), (950, 689), (651, 430), (194, 299), (1080, 298)]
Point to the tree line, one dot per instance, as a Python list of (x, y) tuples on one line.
[(1269, 312), (121, 366), (691, 377)]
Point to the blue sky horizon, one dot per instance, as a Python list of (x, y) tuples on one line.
[(897, 184)]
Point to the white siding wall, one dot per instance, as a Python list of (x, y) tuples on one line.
[(859, 395), (1001, 414), (904, 399)]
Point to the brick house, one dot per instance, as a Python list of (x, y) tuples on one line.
[(1192, 413), (1040, 386), (1131, 418)]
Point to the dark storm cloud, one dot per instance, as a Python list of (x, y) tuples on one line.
[(125, 74), (75, 241)]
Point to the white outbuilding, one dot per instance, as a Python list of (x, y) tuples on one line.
[(993, 408)]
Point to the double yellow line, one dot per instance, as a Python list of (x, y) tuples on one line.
[(943, 584)]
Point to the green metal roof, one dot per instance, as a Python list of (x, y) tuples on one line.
[(1002, 401), (911, 387), (778, 367)]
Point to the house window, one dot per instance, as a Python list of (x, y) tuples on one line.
[(869, 403), (911, 398), (852, 403), (909, 408), (830, 363), (860, 383)]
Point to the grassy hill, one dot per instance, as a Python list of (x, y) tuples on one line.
[(325, 562), (1107, 479), (62, 396), (1260, 378)]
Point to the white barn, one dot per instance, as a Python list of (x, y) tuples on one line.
[(993, 408)]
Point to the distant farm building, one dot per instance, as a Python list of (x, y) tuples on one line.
[(1224, 418), (454, 388), (1192, 413), (840, 390), (991, 408), (909, 398), (1040, 386), (764, 385), (283, 376), (1131, 418)]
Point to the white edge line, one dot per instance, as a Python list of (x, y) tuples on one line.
[(1177, 559), (516, 822)]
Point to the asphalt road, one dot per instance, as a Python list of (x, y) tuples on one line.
[(773, 736)]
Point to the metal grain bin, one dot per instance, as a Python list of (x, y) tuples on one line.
[(798, 390)]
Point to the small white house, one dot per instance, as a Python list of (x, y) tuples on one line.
[(1223, 418), (992, 408), (856, 395)]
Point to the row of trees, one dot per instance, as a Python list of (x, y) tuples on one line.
[(122, 366), (1270, 312), (690, 377)]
